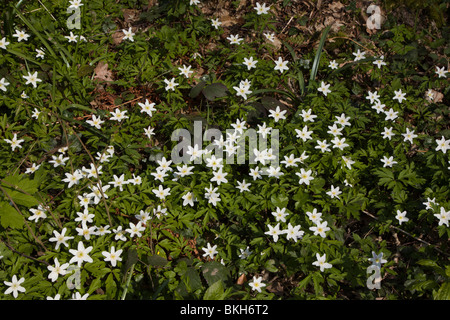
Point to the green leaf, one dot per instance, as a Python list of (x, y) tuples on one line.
[(214, 271), (215, 291), (270, 265), (9, 217), (157, 261), (443, 292), (316, 61), (23, 199), (215, 90), (195, 91), (280, 201)]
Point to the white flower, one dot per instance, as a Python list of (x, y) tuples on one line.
[(161, 193), (84, 217), (443, 216), (210, 251), (261, 9), (320, 228), (186, 71), (242, 90), (75, 4), (149, 132), (348, 162), (280, 214), (119, 181), (14, 286), (391, 114), (263, 130), (118, 115), (188, 199), (323, 146), (388, 162), (274, 231), (14, 142), (57, 270), (377, 259), (334, 192), (380, 62), (343, 120), (170, 85), (95, 122), (401, 217), (387, 133), (339, 143), (216, 23), (81, 254), (257, 284), (359, 55), (135, 229), (399, 96), (3, 84), (255, 173), (441, 72), (281, 65), (443, 145), (113, 256), (270, 36), (128, 34), (290, 161), (334, 130), (72, 179), (147, 107), (234, 39), (409, 135), (304, 134), (314, 216), (38, 213), (21, 35), (250, 63), (71, 37), (378, 106), (333, 64), (308, 116), (243, 186), (321, 262), (33, 168), (195, 152), (324, 88), (219, 176), (293, 233), (3, 43), (277, 114), (373, 97), (305, 176)]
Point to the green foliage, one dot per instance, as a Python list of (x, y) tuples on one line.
[(100, 184)]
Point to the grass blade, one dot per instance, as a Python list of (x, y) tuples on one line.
[(315, 66)]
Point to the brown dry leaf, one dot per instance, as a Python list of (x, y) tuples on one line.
[(241, 280), (437, 96), (118, 37), (130, 15), (102, 73)]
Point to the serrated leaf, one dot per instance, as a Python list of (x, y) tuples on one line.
[(9, 217), (443, 292)]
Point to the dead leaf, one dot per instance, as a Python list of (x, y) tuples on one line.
[(242, 280), (102, 73)]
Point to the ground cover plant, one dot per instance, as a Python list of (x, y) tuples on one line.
[(240, 150)]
